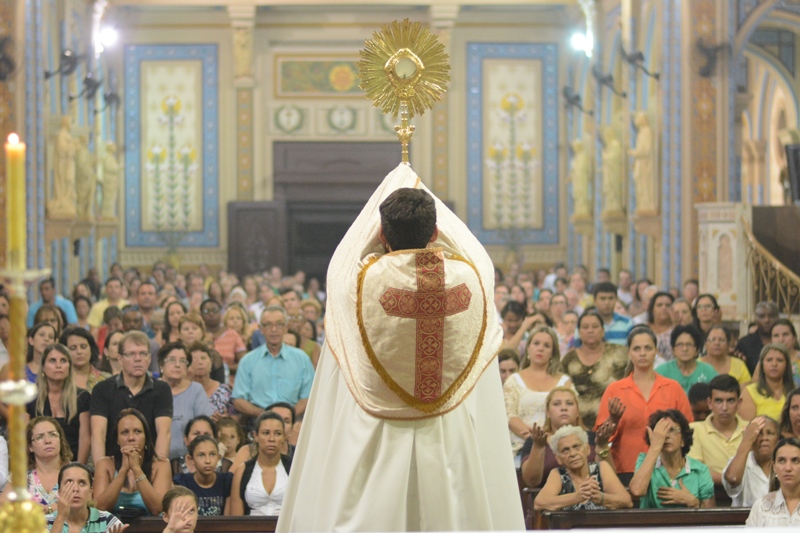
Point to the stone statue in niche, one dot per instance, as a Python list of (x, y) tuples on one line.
[(243, 52), (643, 166), (581, 176), (86, 179), (612, 173), (62, 203), (110, 183)]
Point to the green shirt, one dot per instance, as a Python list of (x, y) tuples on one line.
[(702, 374), (695, 477), (99, 522)]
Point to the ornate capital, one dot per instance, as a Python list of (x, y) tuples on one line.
[(242, 15)]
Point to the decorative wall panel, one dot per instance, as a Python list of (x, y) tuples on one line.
[(512, 140), (171, 137)]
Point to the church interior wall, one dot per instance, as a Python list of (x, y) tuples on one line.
[(663, 30)]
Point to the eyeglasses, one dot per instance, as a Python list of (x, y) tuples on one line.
[(53, 435), (275, 325), (175, 361), (136, 355), (674, 430), (211, 310)]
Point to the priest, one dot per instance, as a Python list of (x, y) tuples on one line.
[(405, 428)]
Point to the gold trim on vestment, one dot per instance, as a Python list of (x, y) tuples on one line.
[(407, 398)]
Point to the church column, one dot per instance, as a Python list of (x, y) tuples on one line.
[(760, 174), (748, 183), (243, 24), (443, 18), (707, 85)]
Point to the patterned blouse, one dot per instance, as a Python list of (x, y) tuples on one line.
[(221, 400), (567, 487), (95, 377), (591, 381), (48, 500)]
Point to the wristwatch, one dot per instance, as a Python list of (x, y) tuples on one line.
[(602, 454)]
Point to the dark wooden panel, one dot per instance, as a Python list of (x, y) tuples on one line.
[(627, 518), (209, 524), (329, 172), (256, 236), (775, 227)]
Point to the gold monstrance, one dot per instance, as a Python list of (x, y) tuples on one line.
[(404, 70)]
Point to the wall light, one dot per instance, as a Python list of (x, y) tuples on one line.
[(582, 42), (108, 36)]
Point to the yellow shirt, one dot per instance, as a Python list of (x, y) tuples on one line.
[(96, 314), (738, 370), (711, 447), (766, 405)]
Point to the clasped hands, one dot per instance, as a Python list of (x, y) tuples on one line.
[(131, 460), (589, 490)]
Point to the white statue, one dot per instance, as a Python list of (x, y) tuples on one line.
[(243, 52), (62, 204), (110, 183), (86, 179), (581, 177), (644, 178), (612, 172)]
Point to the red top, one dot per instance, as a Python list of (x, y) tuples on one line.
[(629, 439)]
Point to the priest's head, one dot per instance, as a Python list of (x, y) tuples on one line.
[(408, 220)]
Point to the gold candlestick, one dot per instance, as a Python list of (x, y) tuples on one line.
[(19, 514), (404, 71)]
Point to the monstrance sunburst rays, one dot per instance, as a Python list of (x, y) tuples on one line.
[(404, 71)]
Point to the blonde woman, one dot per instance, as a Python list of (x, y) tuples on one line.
[(526, 391), (237, 319), (62, 400)]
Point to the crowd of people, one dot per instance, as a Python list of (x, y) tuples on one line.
[(633, 385), (165, 394), (185, 394)]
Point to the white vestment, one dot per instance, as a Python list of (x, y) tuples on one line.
[(369, 458)]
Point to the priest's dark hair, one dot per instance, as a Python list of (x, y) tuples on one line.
[(408, 219)]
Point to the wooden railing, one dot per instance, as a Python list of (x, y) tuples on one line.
[(769, 278), (628, 518), (209, 524)]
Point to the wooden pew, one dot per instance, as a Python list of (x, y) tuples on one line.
[(209, 524), (628, 518)]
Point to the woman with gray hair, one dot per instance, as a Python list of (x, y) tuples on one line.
[(579, 484)]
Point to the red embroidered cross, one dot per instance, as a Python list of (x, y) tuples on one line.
[(428, 305)]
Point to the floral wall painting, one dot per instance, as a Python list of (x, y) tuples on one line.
[(172, 146), (171, 135), (512, 143), (512, 185)]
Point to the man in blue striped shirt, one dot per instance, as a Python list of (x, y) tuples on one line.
[(616, 326)]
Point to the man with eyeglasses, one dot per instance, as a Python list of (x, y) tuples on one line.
[(717, 438), (273, 372), (131, 388), (751, 344)]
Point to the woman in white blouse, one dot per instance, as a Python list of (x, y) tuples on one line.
[(781, 507), (526, 391), (259, 484)]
